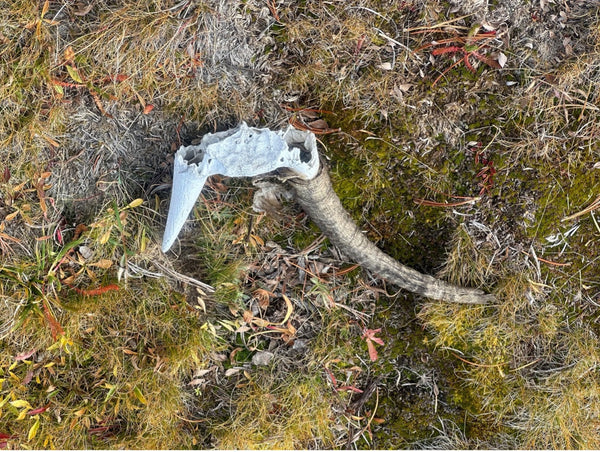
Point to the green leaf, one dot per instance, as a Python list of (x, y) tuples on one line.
[(111, 390), (138, 395), (74, 74)]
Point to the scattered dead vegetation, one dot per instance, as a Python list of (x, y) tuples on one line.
[(462, 136)]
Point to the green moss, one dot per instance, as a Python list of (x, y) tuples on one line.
[(378, 183), (556, 191)]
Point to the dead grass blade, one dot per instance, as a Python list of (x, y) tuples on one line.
[(593, 206), (425, 202)]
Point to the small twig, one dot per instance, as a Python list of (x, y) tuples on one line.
[(312, 110), (294, 122), (273, 9), (477, 365), (194, 421), (425, 202), (546, 261), (440, 25), (593, 206), (358, 314), (181, 277)]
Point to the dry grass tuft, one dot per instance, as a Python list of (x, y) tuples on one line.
[(106, 345), (290, 414)]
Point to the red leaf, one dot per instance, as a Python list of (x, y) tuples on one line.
[(28, 377), (369, 337), (440, 51), (58, 235), (333, 380), (25, 355), (38, 410), (468, 64), (94, 292), (3, 436), (148, 108), (55, 327), (372, 351), (489, 61), (377, 340)]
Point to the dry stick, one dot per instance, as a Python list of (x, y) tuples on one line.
[(321, 203)]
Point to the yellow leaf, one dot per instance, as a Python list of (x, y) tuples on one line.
[(69, 53), (11, 216), (45, 8), (290, 309), (33, 430), (143, 241), (102, 263), (48, 444), (260, 322), (135, 203), (105, 237), (74, 74), (22, 414), (227, 325), (138, 395), (21, 404), (19, 187)]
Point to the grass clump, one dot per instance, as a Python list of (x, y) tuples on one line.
[(116, 375), (469, 174), (290, 413), (30, 113), (91, 363)]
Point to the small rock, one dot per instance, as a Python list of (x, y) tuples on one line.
[(262, 358), (85, 252), (299, 345)]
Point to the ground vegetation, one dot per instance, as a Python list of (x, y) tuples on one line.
[(462, 137)]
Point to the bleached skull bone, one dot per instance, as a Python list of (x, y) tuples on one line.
[(239, 152)]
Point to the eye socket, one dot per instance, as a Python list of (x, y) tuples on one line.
[(193, 155)]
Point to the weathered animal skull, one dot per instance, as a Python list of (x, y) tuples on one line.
[(240, 152)]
